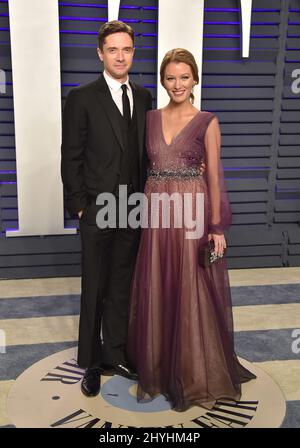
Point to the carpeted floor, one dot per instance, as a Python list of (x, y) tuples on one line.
[(40, 317)]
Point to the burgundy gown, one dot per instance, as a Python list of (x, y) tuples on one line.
[(180, 338)]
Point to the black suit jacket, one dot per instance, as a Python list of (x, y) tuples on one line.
[(92, 143)]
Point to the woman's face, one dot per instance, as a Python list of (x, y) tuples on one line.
[(178, 81)]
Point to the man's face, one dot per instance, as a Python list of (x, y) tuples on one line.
[(117, 55)]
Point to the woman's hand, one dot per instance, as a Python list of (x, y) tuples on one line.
[(219, 243)]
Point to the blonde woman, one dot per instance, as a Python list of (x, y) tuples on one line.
[(180, 338)]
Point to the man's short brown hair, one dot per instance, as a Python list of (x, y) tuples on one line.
[(114, 26)]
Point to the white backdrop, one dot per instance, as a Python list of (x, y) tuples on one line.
[(34, 33)]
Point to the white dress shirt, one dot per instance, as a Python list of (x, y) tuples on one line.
[(117, 92)]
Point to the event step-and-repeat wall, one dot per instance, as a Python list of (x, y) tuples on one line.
[(257, 100)]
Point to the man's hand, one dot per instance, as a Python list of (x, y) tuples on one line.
[(80, 214), (202, 167)]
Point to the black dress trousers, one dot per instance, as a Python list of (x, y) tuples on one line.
[(108, 259)]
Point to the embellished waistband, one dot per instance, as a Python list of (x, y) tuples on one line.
[(181, 173)]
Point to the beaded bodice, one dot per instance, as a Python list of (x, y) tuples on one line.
[(186, 150), (182, 159)]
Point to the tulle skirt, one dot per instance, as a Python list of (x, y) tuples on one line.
[(180, 335)]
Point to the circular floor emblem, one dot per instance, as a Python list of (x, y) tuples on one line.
[(48, 395)]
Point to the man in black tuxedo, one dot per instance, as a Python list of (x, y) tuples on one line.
[(103, 147)]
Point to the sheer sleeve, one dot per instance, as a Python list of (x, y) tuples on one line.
[(219, 206)]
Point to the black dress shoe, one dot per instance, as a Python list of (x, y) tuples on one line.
[(90, 385), (127, 372), (107, 370)]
